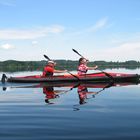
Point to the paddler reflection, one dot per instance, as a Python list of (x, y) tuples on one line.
[(51, 94), (83, 92)]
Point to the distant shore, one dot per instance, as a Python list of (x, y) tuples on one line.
[(14, 65)]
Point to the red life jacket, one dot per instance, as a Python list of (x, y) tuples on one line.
[(48, 71), (82, 69)]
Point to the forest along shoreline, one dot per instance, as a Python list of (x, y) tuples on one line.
[(14, 65)]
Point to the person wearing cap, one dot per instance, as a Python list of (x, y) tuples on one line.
[(49, 69), (83, 68)]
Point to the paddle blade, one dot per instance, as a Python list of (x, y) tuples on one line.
[(47, 57), (74, 50), (77, 52)]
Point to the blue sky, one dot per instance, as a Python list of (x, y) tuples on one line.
[(99, 29)]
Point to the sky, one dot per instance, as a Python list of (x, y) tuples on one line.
[(106, 30)]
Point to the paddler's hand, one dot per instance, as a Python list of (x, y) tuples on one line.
[(65, 70), (96, 67)]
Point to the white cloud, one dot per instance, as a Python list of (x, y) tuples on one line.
[(99, 25), (29, 34), (123, 52), (7, 3), (7, 46), (55, 29), (34, 42)]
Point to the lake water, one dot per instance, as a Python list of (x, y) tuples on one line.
[(113, 114)]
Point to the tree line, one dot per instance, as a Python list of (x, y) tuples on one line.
[(13, 65)]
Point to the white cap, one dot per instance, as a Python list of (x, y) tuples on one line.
[(51, 61)]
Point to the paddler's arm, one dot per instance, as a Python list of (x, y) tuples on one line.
[(92, 68)]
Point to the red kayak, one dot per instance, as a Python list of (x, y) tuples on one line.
[(101, 77)]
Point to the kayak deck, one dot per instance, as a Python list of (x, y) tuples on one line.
[(93, 77)]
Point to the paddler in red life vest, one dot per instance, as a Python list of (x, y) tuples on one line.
[(83, 68), (49, 69)]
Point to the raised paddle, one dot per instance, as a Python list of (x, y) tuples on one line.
[(67, 71), (47, 57), (77, 53), (108, 75)]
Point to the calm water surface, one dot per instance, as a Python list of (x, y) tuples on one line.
[(112, 114)]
